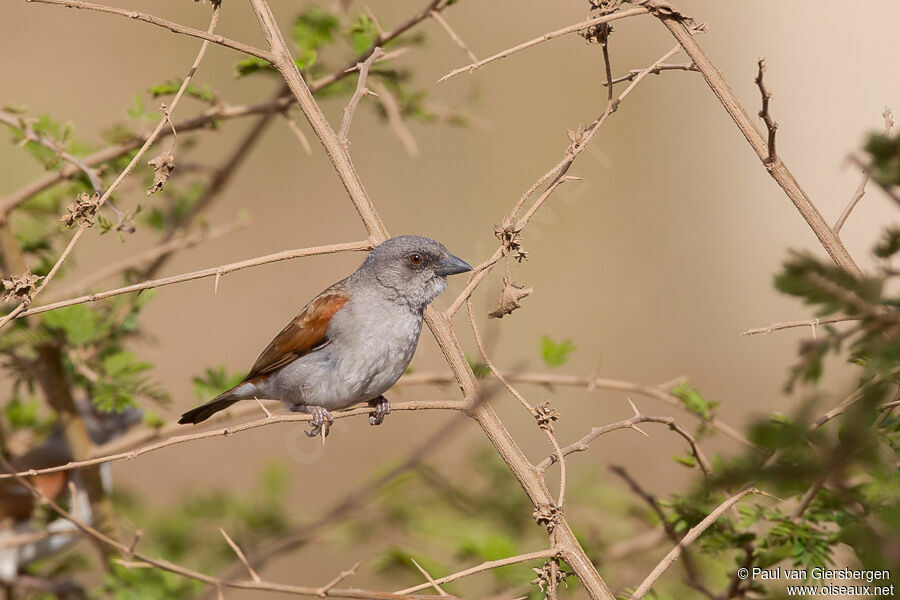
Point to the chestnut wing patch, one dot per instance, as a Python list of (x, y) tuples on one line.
[(300, 336)]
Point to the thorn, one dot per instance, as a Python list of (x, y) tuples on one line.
[(263, 407), (637, 413), (216, 285), (639, 430)]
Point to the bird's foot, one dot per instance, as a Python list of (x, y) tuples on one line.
[(382, 409), (321, 419)]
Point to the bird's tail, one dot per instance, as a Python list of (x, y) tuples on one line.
[(205, 411)]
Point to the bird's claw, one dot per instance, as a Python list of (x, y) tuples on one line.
[(321, 420), (382, 409)]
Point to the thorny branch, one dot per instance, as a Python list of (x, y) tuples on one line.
[(686, 541), (85, 224)]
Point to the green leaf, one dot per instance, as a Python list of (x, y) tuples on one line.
[(693, 400), (251, 65), (214, 381), (479, 368), (885, 153), (80, 324), (312, 30), (889, 244), (362, 34), (556, 354), (171, 87), (688, 461)]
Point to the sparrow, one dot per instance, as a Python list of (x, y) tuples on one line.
[(353, 341)]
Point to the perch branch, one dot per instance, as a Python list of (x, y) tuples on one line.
[(202, 273), (228, 431)]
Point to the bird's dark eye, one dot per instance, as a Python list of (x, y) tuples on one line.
[(416, 259)]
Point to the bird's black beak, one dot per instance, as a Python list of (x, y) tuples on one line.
[(451, 265)]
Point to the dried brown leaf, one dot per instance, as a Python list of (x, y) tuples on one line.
[(20, 287), (510, 299), (163, 165), (82, 210)]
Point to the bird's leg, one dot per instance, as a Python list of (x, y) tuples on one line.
[(382, 408), (321, 419)]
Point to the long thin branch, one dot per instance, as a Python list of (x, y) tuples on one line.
[(686, 541), (217, 272), (657, 71), (231, 430), (485, 566), (811, 323), (85, 223), (692, 575), (177, 242), (546, 37), (170, 25), (674, 21)]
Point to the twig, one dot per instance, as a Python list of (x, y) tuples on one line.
[(295, 129), (237, 550), (812, 323), (170, 25), (656, 71), (395, 118), (866, 175), (631, 423), (84, 225), (430, 579), (323, 591), (546, 37), (209, 272), (458, 40), (690, 568), (179, 242), (771, 125), (485, 566), (776, 168), (361, 90), (228, 431), (686, 541)]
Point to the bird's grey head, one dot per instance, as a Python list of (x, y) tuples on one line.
[(412, 269)]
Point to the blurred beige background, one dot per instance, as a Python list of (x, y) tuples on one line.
[(653, 264)]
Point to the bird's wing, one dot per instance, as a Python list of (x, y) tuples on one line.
[(306, 332)]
